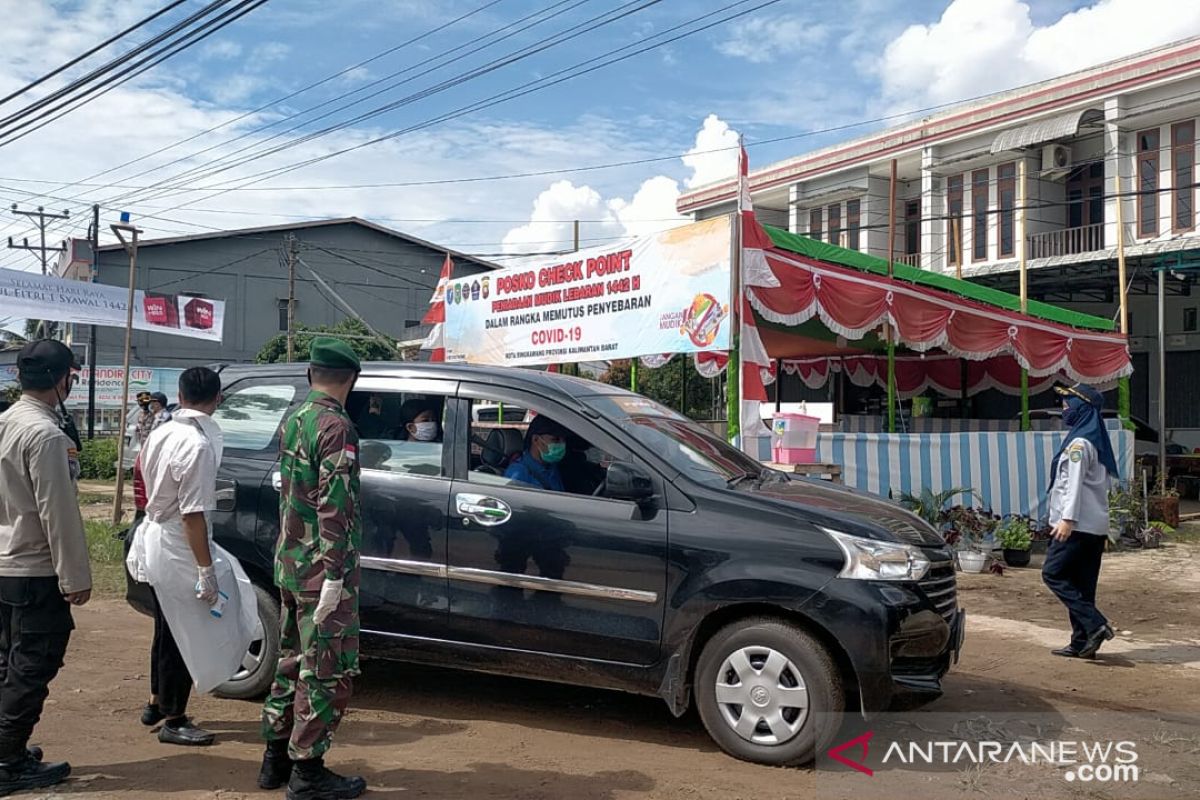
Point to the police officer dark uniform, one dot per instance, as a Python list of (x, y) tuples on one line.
[(1079, 477), (44, 566), (317, 572)]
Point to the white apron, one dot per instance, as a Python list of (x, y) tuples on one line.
[(212, 647)]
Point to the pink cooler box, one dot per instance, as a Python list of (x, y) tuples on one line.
[(794, 438)]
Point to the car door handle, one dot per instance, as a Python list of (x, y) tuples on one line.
[(484, 510), (226, 496), (277, 481)]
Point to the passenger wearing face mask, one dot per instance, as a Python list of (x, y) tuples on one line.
[(545, 448), (419, 421)]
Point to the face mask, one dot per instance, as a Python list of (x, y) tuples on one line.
[(1072, 415), (554, 452), (425, 431)]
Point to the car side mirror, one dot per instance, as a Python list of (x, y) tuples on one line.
[(626, 481)]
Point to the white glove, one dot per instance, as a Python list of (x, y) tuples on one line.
[(331, 598), (206, 586)]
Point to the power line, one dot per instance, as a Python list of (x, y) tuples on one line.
[(116, 37), (186, 42)]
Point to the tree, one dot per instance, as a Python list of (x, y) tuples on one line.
[(350, 330), (664, 385)]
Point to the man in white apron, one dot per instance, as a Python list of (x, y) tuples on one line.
[(206, 614)]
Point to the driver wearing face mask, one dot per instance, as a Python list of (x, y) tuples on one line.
[(419, 421), (545, 448)]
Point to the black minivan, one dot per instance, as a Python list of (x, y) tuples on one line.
[(671, 564)]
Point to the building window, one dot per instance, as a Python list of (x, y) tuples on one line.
[(1006, 192), (1189, 320), (853, 223), (912, 227), (1147, 176), (1183, 162), (954, 211), (814, 224), (979, 214), (283, 315), (835, 224)]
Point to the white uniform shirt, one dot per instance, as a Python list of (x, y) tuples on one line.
[(179, 466), (1080, 489)]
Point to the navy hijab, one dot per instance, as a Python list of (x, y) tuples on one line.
[(1082, 414)]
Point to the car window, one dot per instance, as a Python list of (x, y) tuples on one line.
[(512, 453), (399, 432), (250, 415)]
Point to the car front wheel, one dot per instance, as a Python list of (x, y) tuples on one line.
[(258, 666), (768, 692)]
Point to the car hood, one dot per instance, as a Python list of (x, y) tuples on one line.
[(849, 510)]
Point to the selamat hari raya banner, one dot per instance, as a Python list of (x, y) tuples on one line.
[(26, 294), (664, 293)]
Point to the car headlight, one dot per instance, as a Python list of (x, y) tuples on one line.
[(873, 560)]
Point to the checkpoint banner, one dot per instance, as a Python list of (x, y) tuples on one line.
[(32, 296), (664, 293)]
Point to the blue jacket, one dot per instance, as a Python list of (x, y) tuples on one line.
[(528, 469)]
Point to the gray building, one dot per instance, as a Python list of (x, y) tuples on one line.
[(388, 277)]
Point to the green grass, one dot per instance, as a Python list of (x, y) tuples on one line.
[(1187, 532), (93, 499), (108, 558)]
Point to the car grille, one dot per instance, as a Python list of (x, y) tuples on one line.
[(941, 589)]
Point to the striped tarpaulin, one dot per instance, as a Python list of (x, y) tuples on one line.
[(1009, 471)]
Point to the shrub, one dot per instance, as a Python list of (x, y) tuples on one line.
[(98, 461), (1014, 534)]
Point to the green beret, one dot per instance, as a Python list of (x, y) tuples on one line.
[(332, 354)]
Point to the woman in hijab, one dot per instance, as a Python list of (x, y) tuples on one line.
[(1079, 476)]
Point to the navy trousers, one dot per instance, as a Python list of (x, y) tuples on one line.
[(1071, 571)]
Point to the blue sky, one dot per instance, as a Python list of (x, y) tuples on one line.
[(788, 69)]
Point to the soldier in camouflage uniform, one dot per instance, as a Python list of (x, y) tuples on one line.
[(317, 571)]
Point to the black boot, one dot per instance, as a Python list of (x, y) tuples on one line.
[(276, 766), (312, 781), (23, 772)]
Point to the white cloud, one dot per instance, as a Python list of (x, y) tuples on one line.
[(981, 46), (651, 209), (221, 48), (762, 40), (270, 51), (714, 157)]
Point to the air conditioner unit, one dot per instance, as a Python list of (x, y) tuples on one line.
[(1056, 160)]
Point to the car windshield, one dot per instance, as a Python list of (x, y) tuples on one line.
[(687, 446)]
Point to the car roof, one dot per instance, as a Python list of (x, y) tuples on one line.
[(547, 384)]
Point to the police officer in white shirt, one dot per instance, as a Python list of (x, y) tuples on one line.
[(1080, 475)]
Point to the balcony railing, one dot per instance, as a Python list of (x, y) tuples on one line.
[(912, 259), (1067, 242)]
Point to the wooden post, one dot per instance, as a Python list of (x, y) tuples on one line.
[(1123, 399), (733, 368), (887, 327), (1021, 244), (131, 248), (956, 246)]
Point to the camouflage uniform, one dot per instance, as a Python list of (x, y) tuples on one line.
[(319, 537)]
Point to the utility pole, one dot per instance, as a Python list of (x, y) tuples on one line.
[(131, 247), (91, 406), (42, 217), (291, 301)]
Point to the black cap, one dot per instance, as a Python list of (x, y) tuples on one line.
[(541, 424), (161, 398), (46, 357)]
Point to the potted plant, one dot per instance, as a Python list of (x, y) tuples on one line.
[(970, 553), (1015, 537), (1163, 505)]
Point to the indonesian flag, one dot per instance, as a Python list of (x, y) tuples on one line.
[(436, 315), (757, 370)]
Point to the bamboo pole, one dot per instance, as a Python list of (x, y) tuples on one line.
[(887, 327), (1123, 398), (1021, 245)]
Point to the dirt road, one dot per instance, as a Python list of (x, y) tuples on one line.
[(418, 733)]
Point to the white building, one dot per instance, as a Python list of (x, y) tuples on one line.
[(1127, 127)]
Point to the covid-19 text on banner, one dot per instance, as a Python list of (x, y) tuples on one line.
[(664, 293)]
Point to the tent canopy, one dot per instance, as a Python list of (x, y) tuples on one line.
[(851, 294)]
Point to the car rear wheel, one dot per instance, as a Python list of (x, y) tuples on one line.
[(258, 666), (769, 692)]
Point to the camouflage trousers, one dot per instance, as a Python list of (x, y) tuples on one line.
[(317, 665)]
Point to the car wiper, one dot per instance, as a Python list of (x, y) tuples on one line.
[(747, 476)]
